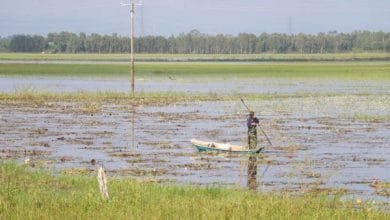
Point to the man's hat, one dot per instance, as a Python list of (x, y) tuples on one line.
[(251, 113)]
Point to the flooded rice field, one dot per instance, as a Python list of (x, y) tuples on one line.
[(336, 143), (159, 84)]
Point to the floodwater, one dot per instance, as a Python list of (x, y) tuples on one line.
[(158, 84), (317, 142), (320, 142)]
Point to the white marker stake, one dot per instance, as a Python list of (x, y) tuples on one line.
[(102, 178)]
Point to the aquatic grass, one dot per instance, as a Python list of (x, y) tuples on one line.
[(27, 193), (371, 118), (351, 107), (115, 97), (219, 71), (92, 107), (151, 97)]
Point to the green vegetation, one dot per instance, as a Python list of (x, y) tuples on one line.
[(360, 107), (124, 57), (30, 194), (142, 98), (117, 97), (361, 70), (195, 42), (371, 118), (151, 97)]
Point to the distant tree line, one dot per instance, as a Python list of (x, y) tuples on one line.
[(199, 43)]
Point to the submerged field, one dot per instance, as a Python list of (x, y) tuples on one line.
[(329, 124), (322, 142)]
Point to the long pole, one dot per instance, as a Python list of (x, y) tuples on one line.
[(266, 136), (132, 47)]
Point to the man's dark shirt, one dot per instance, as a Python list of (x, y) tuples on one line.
[(250, 120)]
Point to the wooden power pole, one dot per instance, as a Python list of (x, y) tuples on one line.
[(132, 69), (132, 72)]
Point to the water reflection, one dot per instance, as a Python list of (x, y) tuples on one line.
[(133, 127), (252, 172)]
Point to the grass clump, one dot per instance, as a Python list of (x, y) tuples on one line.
[(32, 194), (371, 118)]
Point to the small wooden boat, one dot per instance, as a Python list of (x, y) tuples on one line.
[(222, 147)]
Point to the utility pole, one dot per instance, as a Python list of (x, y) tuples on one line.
[(132, 47), (132, 69)]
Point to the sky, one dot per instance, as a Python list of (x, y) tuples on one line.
[(167, 17)]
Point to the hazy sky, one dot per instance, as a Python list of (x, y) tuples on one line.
[(165, 17)]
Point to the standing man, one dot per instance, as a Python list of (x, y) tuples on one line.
[(252, 122)]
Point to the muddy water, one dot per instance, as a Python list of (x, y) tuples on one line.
[(159, 84), (318, 143)]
